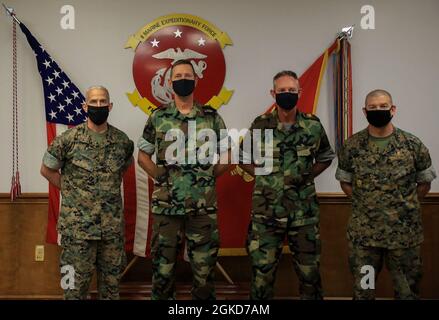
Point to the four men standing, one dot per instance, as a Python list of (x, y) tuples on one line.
[(384, 169)]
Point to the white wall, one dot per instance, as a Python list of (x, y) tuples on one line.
[(268, 36)]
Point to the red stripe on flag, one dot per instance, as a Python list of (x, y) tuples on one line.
[(234, 209), (53, 212), (148, 243), (350, 129), (130, 205)]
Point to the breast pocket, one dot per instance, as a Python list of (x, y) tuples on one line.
[(305, 159), (402, 176), (115, 160), (81, 172), (304, 151), (364, 179), (266, 158), (83, 161), (403, 164), (172, 151)]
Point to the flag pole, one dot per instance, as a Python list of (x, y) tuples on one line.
[(343, 86), (11, 12)]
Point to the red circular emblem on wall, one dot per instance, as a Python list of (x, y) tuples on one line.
[(155, 56), (168, 39)]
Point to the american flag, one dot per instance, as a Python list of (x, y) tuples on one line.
[(63, 110), (63, 100)]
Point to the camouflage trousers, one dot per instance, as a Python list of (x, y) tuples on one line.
[(202, 243), (84, 256), (404, 265), (264, 246)]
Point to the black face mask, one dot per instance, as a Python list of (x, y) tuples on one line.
[(287, 100), (183, 87), (378, 118), (98, 115)]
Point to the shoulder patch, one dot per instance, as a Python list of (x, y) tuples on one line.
[(412, 140), (209, 109), (75, 130), (263, 116), (408, 135), (356, 139), (160, 107), (264, 121), (119, 132), (260, 118), (311, 116)]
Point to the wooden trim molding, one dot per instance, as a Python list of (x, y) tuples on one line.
[(324, 198), (25, 198)]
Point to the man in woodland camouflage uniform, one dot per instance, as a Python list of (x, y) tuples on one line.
[(386, 171), (87, 163), (284, 200), (184, 199)]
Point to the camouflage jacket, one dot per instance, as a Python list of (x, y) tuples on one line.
[(91, 176), (385, 206), (181, 188), (288, 192)]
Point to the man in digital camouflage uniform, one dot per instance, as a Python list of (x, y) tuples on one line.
[(386, 171), (87, 163), (184, 198), (284, 200)]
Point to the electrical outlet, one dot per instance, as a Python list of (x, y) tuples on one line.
[(39, 253)]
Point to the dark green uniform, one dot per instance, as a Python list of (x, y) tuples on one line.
[(183, 201), (386, 221), (285, 204), (91, 222)]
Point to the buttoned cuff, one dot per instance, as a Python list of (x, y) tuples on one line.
[(325, 156), (426, 175), (343, 176), (51, 162), (146, 146)]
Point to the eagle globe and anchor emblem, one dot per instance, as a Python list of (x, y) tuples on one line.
[(161, 43)]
